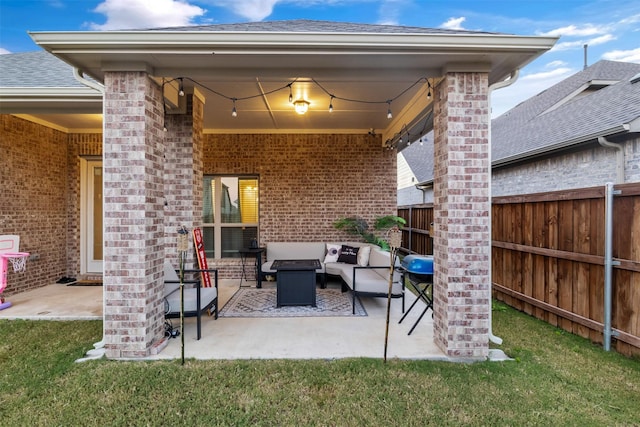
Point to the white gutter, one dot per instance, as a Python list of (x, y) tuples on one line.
[(619, 157), (231, 42), (511, 80), (98, 348), (94, 85)]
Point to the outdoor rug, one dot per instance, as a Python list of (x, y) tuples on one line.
[(253, 302)]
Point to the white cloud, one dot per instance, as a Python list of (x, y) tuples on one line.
[(601, 40), (556, 74), (390, 12), (567, 45), (574, 31), (253, 10), (580, 43), (454, 23), (4, 51), (556, 64), (133, 14), (632, 55), (631, 19)]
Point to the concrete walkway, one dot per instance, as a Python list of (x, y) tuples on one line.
[(255, 338)]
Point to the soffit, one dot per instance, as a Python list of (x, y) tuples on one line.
[(356, 66)]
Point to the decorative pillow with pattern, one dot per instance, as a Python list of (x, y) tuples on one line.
[(348, 255), (333, 252)]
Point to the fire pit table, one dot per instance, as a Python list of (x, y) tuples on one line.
[(296, 281)]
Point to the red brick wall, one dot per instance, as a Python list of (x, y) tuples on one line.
[(307, 182), (133, 214), (183, 176), (33, 198)]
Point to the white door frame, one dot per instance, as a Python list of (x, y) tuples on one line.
[(87, 262)]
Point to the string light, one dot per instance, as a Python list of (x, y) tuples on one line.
[(234, 111), (181, 88), (164, 109)]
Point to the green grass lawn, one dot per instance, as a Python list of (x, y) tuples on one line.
[(557, 379)]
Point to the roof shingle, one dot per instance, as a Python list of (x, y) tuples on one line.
[(35, 69)]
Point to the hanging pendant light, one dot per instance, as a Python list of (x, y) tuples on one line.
[(301, 106)]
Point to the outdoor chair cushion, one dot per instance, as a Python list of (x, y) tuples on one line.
[(193, 290)]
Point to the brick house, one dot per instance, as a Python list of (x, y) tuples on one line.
[(584, 131), (120, 136)]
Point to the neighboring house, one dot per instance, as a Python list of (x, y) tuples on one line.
[(112, 140), (415, 172), (581, 132)]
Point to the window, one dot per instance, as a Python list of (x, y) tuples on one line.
[(229, 215)]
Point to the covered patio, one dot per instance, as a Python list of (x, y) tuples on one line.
[(171, 107), (256, 338)]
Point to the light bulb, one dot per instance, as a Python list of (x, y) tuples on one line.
[(181, 88)]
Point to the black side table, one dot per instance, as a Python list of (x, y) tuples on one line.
[(257, 254)]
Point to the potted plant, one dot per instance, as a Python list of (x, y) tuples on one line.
[(360, 227)]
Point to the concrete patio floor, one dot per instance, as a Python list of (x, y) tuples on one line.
[(255, 338)]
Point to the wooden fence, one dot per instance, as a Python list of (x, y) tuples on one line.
[(415, 233), (548, 258)]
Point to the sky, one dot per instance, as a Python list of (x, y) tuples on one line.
[(610, 28)]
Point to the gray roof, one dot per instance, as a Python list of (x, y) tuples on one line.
[(41, 69), (35, 69), (420, 158), (312, 26), (534, 127)]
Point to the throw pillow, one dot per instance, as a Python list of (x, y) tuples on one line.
[(348, 255), (333, 252), (363, 255)]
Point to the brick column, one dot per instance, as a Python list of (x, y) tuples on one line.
[(183, 175), (462, 242), (133, 214)]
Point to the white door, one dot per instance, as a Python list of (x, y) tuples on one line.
[(91, 216)]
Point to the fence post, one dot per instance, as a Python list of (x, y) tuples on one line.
[(608, 262)]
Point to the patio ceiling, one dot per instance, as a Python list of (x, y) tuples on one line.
[(256, 67)]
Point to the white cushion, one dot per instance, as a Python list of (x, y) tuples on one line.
[(190, 296), (295, 250), (363, 256), (171, 280)]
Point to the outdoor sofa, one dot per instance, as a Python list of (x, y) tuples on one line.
[(363, 268)]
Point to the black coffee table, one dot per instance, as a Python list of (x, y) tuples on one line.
[(296, 281)]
